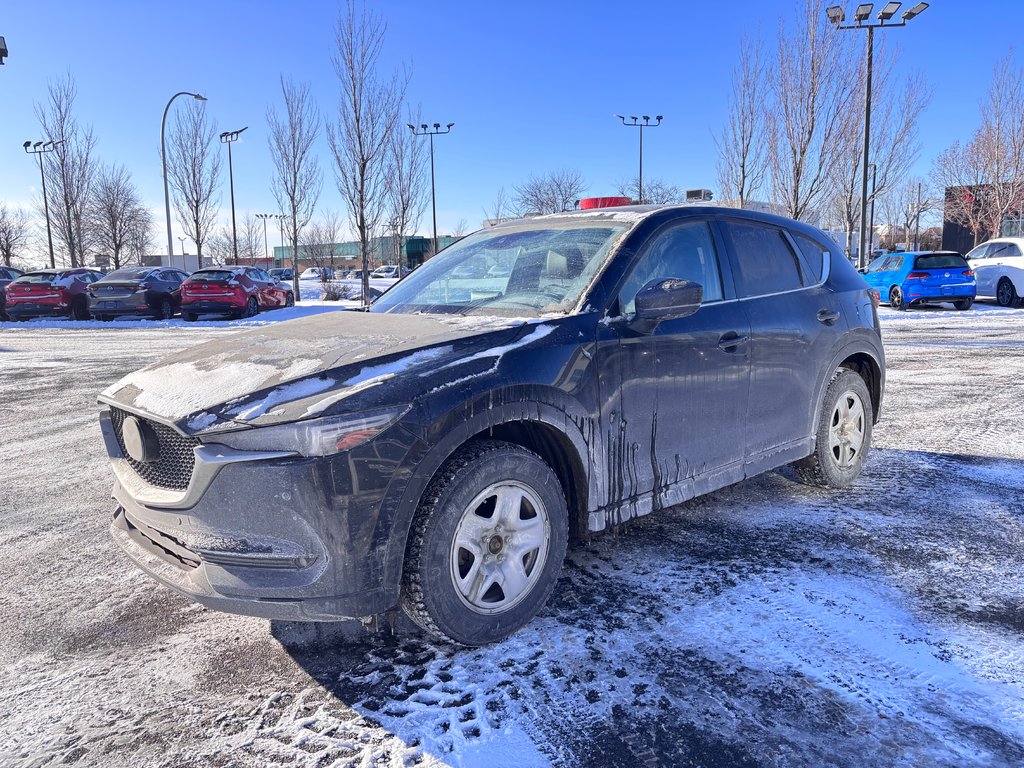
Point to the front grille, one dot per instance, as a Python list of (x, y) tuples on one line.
[(173, 469)]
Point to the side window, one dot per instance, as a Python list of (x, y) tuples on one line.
[(812, 254), (764, 261), (1012, 250), (977, 253), (996, 251), (687, 252)]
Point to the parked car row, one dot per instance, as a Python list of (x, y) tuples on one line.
[(995, 269), (157, 292)]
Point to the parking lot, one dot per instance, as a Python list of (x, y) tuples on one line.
[(765, 624)]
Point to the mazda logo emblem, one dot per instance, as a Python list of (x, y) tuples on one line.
[(140, 441), (947, 274)]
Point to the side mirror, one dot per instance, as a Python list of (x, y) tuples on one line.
[(666, 299), (863, 270)]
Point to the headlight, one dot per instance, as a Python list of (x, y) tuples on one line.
[(316, 437)]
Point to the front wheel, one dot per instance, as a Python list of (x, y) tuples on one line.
[(80, 310), (963, 304), (1006, 293), (252, 307), (896, 300), (164, 310), (190, 317), (289, 300), (844, 434), (487, 544)]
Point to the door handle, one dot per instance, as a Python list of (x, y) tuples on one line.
[(827, 316), (730, 342)]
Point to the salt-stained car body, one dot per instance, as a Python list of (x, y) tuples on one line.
[(7, 276), (50, 293), (919, 278), (234, 291), (151, 291), (439, 450)]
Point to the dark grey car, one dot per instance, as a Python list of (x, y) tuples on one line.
[(440, 451), (148, 291), (7, 276)]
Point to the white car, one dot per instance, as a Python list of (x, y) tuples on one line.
[(999, 269), (387, 271), (315, 273)]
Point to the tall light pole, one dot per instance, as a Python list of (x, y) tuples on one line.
[(635, 123), (266, 248), (229, 138), (871, 224), (862, 13), (38, 149), (182, 241), (163, 158), (425, 130)]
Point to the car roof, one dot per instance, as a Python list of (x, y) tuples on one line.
[(1014, 240), (924, 253)]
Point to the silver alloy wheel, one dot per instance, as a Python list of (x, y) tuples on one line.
[(1004, 293), (500, 547), (846, 430)]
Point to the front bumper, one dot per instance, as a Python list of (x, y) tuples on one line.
[(267, 535)]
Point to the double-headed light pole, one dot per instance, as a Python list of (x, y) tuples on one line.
[(861, 14), (280, 220), (163, 158), (229, 138), (39, 148), (635, 123), (426, 130)]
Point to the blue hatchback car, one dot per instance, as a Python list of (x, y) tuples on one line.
[(926, 277)]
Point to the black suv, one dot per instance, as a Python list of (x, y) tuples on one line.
[(7, 276), (440, 450), (151, 291)]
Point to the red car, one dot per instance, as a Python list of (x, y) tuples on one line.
[(50, 293), (232, 291)]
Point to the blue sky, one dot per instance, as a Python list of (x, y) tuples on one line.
[(531, 86)]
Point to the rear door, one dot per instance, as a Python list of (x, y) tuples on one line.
[(793, 320)]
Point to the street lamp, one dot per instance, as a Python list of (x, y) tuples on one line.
[(837, 16), (182, 241), (425, 130), (280, 218), (163, 158), (636, 124), (229, 138), (39, 148)]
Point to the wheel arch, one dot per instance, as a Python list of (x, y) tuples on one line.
[(546, 429)]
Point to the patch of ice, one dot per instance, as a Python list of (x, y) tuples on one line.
[(283, 394)]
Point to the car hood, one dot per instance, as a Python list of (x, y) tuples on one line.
[(300, 368)]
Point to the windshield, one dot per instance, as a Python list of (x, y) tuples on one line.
[(519, 272), (212, 275), (43, 278), (128, 274), (941, 261)]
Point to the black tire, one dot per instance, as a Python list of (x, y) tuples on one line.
[(429, 593), (105, 318), (79, 310), (1006, 293), (164, 310), (824, 467), (896, 298), (289, 300), (252, 308), (963, 304), (190, 317)]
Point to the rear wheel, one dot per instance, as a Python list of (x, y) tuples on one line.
[(164, 310), (844, 434), (190, 317), (79, 310), (964, 304), (252, 307), (1006, 293), (896, 300), (104, 318), (487, 544)]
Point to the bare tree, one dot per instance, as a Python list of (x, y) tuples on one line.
[(742, 159), (14, 232), (552, 193), (250, 240), (368, 109), (220, 247), (812, 89), (140, 239), (116, 211), (406, 183), (70, 168), (320, 240), (984, 178), (297, 177), (194, 169), (656, 191), (894, 133), (501, 209)]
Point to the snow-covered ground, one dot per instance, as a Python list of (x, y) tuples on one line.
[(766, 624)]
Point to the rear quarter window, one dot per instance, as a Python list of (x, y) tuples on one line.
[(811, 257)]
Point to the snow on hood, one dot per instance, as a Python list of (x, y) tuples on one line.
[(290, 370)]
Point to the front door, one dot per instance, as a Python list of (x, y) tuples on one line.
[(676, 419)]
